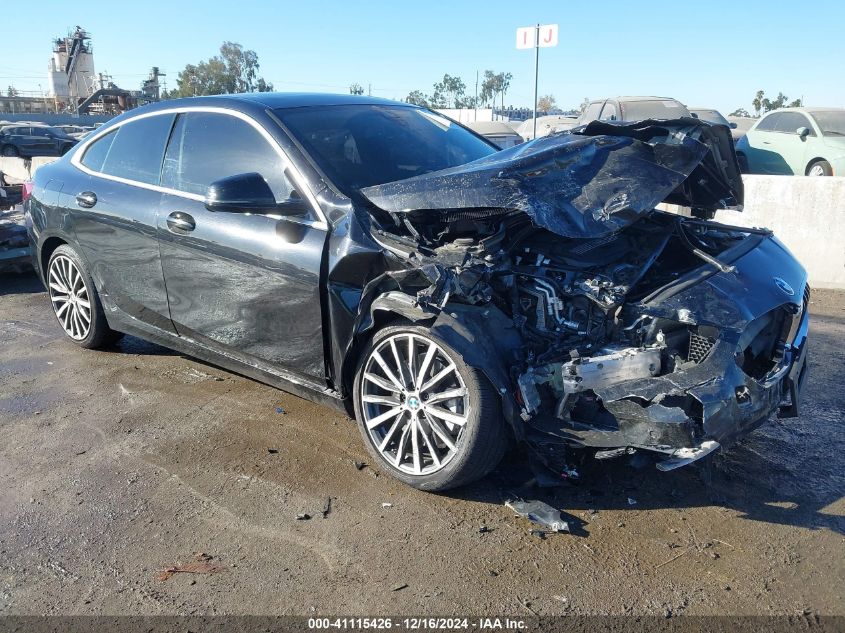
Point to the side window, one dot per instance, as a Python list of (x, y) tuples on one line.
[(608, 113), (592, 112), (768, 124), (789, 122), (96, 153), (137, 149), (40, 131), (208, 146)]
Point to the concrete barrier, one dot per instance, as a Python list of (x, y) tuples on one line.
[(18, 170), (806, 214)]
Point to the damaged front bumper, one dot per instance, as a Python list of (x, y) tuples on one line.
[(615, 402)]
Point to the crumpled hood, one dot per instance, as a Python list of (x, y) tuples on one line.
[(585, 182)]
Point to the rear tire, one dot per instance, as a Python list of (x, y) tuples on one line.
[(434, 423), (75, 301), (819, 168), (743, 163), (10, 151)]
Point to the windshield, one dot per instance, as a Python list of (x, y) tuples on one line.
[(653, 109), (363, 145), (831, 122), (711, 116)]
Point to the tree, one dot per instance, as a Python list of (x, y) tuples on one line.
[(356, 89), (764, 104), (495, 84), (757, 102), (740, 112), (779, 102), (449, 92), (11, 92), (417, 98), (546, 103), (233, 70)]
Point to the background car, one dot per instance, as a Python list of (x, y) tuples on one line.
[(711, 115), (632, 109), (34, 140), (795, 141), (545, 125), (498, 132)]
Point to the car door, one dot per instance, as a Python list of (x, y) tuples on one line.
[(41, 142), (793, 148), (761, 151), (244, 284), (114, 204)]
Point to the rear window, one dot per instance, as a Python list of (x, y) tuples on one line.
[(137, 150), (653, 109)]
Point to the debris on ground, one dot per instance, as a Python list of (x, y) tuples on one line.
[(359, 465), (484, 529), (538, 533), (303, 516), (203, 565), (273, 451), (327, 507), (280, 410), (386, 504), (400, 587), (540, 513)]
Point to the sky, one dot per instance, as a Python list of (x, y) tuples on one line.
[(705, 53)]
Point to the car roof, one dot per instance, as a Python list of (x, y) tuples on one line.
[(646, 98), (809, 110), (276, 100)]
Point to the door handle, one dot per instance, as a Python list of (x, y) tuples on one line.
[(86, 199), (179, 221)]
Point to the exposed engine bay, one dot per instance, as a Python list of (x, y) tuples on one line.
[(616, 326)]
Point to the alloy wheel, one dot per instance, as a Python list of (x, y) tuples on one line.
[(70, 298), (816, 170), (414, 402)]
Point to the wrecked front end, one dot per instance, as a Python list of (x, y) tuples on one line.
[(603, 323)]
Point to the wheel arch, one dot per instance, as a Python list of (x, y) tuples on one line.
[(466, 328), (812, 162), (48, 247)]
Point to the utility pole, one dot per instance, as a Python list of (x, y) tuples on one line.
[(536, 73), (475, 116)]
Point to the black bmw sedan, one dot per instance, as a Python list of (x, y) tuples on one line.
[(453, 298)]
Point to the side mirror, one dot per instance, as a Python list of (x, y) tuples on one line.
[(733, 125), (250, 193), (803, 132)]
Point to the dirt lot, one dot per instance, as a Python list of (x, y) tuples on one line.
[(117, 464)]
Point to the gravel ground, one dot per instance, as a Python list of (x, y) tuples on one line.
[(117, 464)]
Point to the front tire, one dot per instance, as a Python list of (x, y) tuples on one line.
[(75, 301), (428, 419), (820, 168)]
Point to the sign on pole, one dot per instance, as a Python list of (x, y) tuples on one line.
[(536, 37)]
